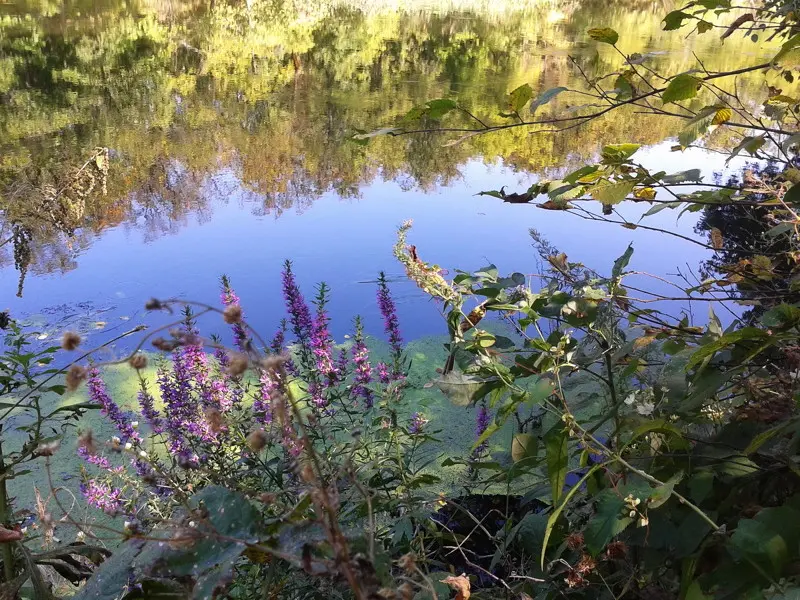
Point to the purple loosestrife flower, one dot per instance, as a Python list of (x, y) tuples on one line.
[(384, 374), (93, 459), (98, 395), (418, 421), (481, 425), (101, 495), (391, 325), (299, 313), (229, 298), (149, 412), (178, 403), (225, 389), (279, 339), (321, 342), (269, 388), (362, 375)]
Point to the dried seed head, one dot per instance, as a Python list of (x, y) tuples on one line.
[(214, 419), (47, 449), (232, 314), (616, 551), (164, 345), (86, 441), (586, 565), (154, 304), (408, 562), (274, 363), (575, 541), (257, 440), (75, 376), (237, 365), (70, 340), (406, 591), (387, 594), (267, 498), (138, 361)]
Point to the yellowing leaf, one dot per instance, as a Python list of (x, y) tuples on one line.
[(604, 34), (645, 193), (723, 115), (643, 341), (612, 193)]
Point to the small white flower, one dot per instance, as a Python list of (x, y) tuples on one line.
[(127, 525), (80, 536), (128, 446), (645, 408), (632, 514), (142, 454), (135, 424), (631, 398), (643, 522)]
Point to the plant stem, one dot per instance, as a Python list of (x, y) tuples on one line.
[(7, 552)]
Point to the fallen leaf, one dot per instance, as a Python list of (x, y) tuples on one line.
[(460, 584), (100, 324)]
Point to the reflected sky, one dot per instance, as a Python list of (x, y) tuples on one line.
[(346, 242)]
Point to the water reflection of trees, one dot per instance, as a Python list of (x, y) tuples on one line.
[(185, 95)]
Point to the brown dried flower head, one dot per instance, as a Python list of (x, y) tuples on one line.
[(460, 584), (70, 340), (408, 562), (616, 551), (257, 439), (164, 345), (574, 579), (47, 449), (86, 441), (232, 314), (75, 376), (267, 497), (575, 541), (138, 361), (586, 565), (406, 591), (238, 364), (216, 423), (154, 304)]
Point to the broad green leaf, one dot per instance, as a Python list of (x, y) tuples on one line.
[(617, 153), (662, 493), (695, 592), (519, 97), (610, 193), (436, 109), (737, 466), (681, 87), (697, 126), (704, 26), (580, 173), (545, 97), (763, 437), (624, 88), (691, 175), (675, 19), (792, 196), (524, 445), (375, 133), (622, 262), (783, 316), (788, 55), (761, 544), (556, 452), (605, 35), (609, 520), (750, 144), (745, 333), (551, 522)]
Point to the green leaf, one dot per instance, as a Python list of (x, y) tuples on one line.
[(436, 109), (674, 20), (545, 97), (610, 193), (662, 493), (556, 452), (624, 88), (737, 466), (682, 87), (609, 520), (695, 592), (788, 55), (761, 544), (783, 316), (551, 522), (697, 126), (519, 97), (691, 175), (746, 333), (582, 172), (751, 144), (622, 262), (792, 196), (704, 26), (376, 133), (619, 153), (524, 446), (605, 35), (41, 589)]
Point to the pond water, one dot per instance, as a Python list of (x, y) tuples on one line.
[(229, 129)]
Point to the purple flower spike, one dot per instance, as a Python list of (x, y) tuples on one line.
[(229, 298), (391, 326), (418, 422), (363, 370), (98, 395), (101, 495), (299, 314), (481, 425)]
